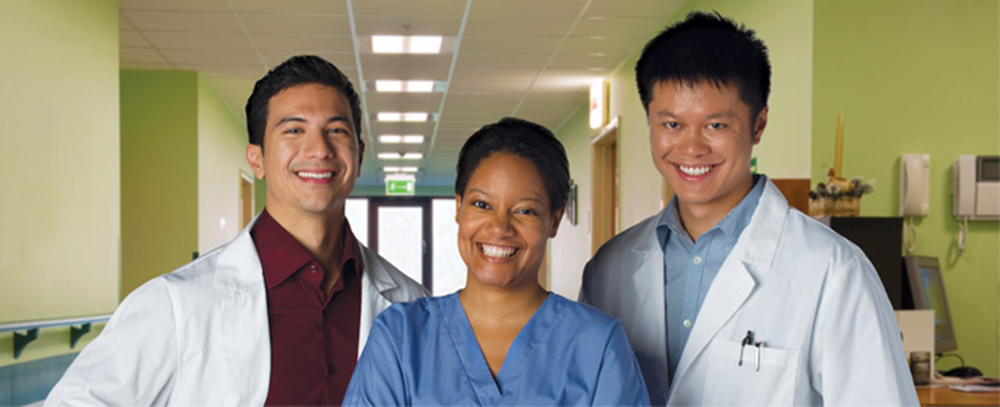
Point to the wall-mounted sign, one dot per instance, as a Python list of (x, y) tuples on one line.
[(598, 104), (400, 184)]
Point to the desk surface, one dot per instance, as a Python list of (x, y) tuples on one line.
[(943, 396)]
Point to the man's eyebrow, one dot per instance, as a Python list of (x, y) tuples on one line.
[(664, 113), (290, 119)]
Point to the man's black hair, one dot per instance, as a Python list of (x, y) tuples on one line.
[(297, 70), (709, 48), (523, 139)]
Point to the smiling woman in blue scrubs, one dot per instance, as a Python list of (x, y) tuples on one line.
[(502, 339)]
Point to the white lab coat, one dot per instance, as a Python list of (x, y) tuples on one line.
[(813, 298), (199, 336)]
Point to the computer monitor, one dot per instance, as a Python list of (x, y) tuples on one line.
[(927, 287)]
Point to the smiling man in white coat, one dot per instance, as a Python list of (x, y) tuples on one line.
[(728, 295), (278, 315)]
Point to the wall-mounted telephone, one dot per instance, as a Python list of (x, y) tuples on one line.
[(976, 187), (914, 188)]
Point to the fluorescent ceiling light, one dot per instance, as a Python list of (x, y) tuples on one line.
[(395, 85), (387, 44), (388, 85), (425, 44), (413, 156), (390, 169), (390, 139), (413, 139), (415, 117), (389, 156), (408, 169), (390, 116), (419, 86), (398, 44)]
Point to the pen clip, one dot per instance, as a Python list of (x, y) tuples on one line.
[(748, 340), (756, 360)]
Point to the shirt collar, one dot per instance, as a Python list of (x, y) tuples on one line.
[(731, 225), (281, 255)]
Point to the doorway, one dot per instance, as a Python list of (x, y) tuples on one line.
[(604, 195)]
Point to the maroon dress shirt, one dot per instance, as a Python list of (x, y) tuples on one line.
[(314, 336)]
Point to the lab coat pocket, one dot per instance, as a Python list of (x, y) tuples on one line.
[(769, 382)]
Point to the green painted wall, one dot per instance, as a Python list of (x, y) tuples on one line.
[(159, 180), (917, 76), (60, 206), (222, 141)]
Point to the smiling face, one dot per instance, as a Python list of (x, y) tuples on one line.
[(311, 155), (504, 221), (701, 137)]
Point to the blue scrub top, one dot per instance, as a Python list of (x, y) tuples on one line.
[(424, 352)]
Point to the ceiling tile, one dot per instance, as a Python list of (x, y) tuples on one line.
[(291, 6), (605, 44), (198, 40), (508, 45), (409, 8), (408, 25), (143, 55), (618, 26), (499, 61), (661, 9), (296, 23), (300, 43), (131, 39), (212, 56), (123, 23), (254, 70), (183, 21), (525, 26), (517, 8)]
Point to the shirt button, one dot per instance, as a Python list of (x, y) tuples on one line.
[(697, 260), (687, 323), (312, 268)]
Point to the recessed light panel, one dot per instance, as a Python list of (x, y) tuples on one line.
[(390, 116), (390, 139), (387, 85), (389, 156), (390, 169), (415, 117), (398, 44), (419, 86), (408, 169), (413, 156), (387, 44), (413, 139)]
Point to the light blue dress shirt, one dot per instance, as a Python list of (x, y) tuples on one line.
[(691, 266), (425, 353)]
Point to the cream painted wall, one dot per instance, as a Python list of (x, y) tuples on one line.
[(222, 141), (786, 27), (60, 209)]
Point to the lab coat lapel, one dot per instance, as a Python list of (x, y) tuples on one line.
[(243, 322), (375, 281), (755, 250)]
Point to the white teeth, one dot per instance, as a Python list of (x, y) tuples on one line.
[(315, 175), (497, 251), (696, 171)]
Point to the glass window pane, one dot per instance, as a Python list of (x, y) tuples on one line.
[(356, 211), (400, 240), (449, 271)]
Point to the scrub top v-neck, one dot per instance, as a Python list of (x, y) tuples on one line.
[(425, 352)]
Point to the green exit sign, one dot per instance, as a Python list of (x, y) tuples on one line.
[(400, 187)]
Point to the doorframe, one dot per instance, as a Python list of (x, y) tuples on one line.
[(604, 193), (375, 202)]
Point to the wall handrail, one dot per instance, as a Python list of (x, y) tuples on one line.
[(78, 327)]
